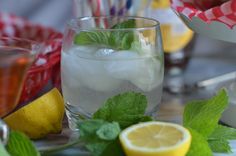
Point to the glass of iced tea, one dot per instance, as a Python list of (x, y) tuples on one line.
[(16, 56)]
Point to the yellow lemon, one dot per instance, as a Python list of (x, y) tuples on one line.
[(40, 117), (155, 139)]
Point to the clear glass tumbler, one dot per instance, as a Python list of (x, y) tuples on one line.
[(106, 56), (16, 56)]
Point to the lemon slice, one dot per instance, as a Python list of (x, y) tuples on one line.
[(40, 117), (155, 139)]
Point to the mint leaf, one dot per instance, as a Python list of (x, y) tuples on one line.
[(20, 145), (96, 148), (92, 37), (223, 132), (99, 135), (218, 140), (88, 128), (109, 131), (199, 145), (125, 24), (126, 109), (114, 149), (123, 40), (220, 146), (3, 151), (203, 116), (102, 148), (117, 39), (146, 119)]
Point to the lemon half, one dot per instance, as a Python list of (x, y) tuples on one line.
[(155, 139), (40, 117)]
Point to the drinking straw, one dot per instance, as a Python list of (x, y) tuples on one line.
[(112, 7), (124, 6)]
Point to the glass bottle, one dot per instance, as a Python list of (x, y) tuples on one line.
[(177, 38)]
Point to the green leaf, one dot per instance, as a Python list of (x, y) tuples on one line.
[(126, 40), (203, 116), (123, 39), (223, 132), (109, 131), (117, 39), (199, 145), (88, 128), (20, 145), (125, 24), (114, 149), (220, 146), (92, 37), (96, 148), (218, 140), (3, 151), (146, 119), (126, 109), (99, 135)]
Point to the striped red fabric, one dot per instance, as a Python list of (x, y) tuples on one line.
[(208, 10), (47, 65)]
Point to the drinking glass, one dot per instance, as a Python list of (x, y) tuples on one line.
[(16, 56), (106, 56)]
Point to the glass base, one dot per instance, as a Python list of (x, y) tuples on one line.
[(74, 118)]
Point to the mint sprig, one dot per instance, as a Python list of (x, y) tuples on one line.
[(126, 109), (201, 118), (116, 39), (199, 145), (99, 136), (20, 145), (122, 111)]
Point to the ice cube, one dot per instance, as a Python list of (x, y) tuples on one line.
[(145, 73), (84, 51), (88, 72), (103, 53)]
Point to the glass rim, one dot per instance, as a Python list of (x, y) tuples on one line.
[(37, 46), (71, 23)]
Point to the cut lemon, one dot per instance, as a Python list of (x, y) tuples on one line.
[(40, 117), (155, 139)]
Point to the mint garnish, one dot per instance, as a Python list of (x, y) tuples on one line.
[(220, 146), (117, 39), (101, 133), (126, 109), (99, 136), (218, 140), (92, 37), (201, 118), (199, 145), (20, 145)]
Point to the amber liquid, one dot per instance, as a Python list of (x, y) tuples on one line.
[(14, 63)]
